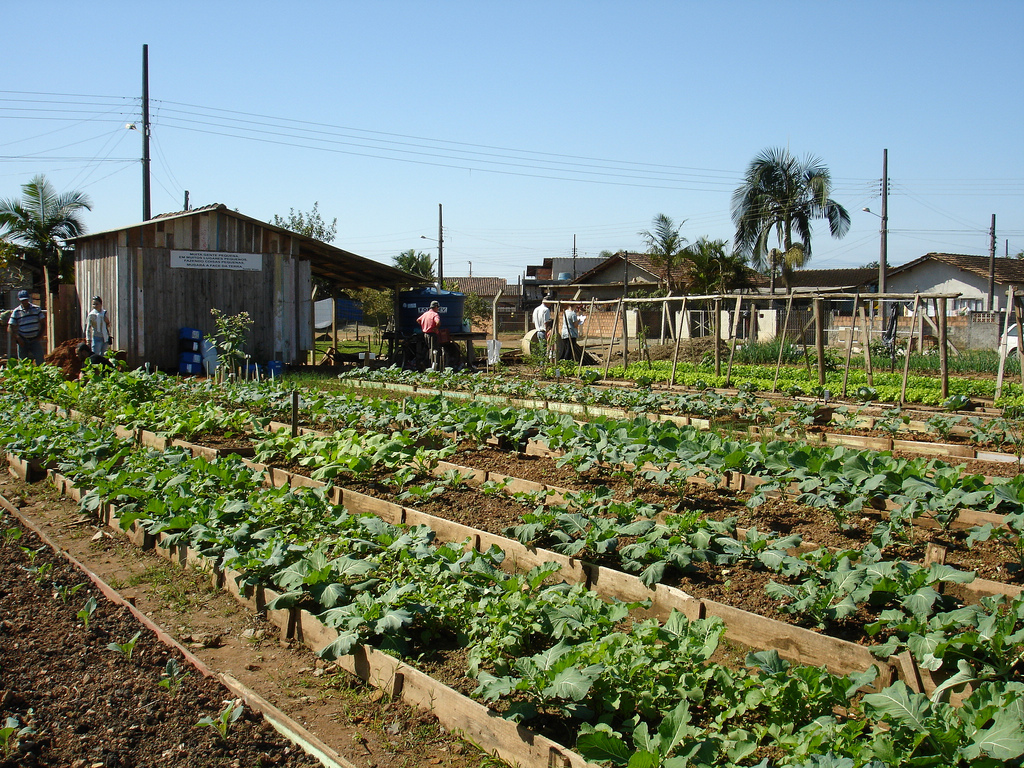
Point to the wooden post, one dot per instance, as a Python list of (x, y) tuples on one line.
[(732, 340), (782, 340), (611, 343), (718, 336), (625, 334), (555, 337), (679, 337), (1002, 344), (1015, 303), (867, 347), (849, 343), (819, 340), (910, 343), (664, 315), (586, 332), (940, 311)]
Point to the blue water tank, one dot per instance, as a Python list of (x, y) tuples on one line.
[(412, 304)]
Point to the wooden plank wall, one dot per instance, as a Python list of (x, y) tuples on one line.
[(150, 302)]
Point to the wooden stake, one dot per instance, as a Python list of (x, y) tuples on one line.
[(782, 341), (819, 340), (586, 332), (940, 312), (733, 332), (1015, 303), (910, 343), (718, 336), (611, 344), (1002, 345), (849, 344), (679, 337), (867, 347)]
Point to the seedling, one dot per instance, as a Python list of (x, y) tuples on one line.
[(173, 674), (65, 592), (12, 535), (10, 733), (222, 723), (126, 648), (39, 572), (87, 611)]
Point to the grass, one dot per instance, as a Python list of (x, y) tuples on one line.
[(172, 585)]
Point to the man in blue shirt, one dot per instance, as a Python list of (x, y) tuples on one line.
[(28, 326)]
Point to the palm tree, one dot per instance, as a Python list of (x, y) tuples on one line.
[(711, 269), (40, 221), (416, 262), (782, 194), (667, 248)]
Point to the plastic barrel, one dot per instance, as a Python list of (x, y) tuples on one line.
[(275, 368)]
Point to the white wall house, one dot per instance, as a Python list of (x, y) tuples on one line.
[(957, 273)]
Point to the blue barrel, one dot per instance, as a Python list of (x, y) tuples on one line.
[(412, 304), (274, 369)]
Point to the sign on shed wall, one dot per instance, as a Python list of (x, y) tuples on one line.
[(242, 262)]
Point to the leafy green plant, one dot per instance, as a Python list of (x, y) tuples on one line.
[(10, 733), (227, 717), (12, 535), (87, 611), (866, 394), (64, 592), (126, 648), (172, 676)]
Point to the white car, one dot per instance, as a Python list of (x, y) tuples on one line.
[(1011, 339)]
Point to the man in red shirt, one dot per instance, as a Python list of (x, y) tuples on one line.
[(430, 322)]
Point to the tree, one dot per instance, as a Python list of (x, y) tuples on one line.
[(711, 269), (667, 248), (416, 262), (474, 308), (309, 224), (40, 223), (782, 194)]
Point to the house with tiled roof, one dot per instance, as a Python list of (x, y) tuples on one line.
[(958, 273)]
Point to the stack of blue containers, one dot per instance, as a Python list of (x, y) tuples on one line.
[(190, 351)]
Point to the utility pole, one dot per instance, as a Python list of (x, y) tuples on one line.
[(884, 247), (574, 257), (147, 208), (992, 266), (440, 251)]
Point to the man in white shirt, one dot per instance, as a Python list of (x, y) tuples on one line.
[(542, 319)]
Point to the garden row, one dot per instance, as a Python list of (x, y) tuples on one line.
[(147, 518)]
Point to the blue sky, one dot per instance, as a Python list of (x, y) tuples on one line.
[(530, 122)]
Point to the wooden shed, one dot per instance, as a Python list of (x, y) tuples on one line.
[(168, 273)]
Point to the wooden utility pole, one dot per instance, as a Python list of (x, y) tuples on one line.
[(147, 208), (992, 266)]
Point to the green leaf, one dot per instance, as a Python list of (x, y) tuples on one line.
[(341, 647), (599, 747)]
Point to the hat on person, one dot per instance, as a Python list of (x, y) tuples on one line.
[(434, 304), (22, 295)]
